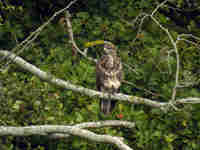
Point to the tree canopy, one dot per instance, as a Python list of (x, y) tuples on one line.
[(158, 42)]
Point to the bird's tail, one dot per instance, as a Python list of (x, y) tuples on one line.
[(107, 106)]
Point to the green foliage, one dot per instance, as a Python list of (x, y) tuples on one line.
[(30, 101)]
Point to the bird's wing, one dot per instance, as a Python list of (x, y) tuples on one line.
[(100, 72), (119, 69)]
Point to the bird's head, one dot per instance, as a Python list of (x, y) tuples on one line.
[(109, 48)]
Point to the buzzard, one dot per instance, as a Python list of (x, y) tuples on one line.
[(108, 76)]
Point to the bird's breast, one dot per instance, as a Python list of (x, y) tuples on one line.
[(110, 62), (112, 83)]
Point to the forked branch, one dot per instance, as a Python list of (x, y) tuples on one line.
[(52, 129)]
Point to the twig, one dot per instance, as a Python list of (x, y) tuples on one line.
[(177, 56), (100, 124), (145, 15), (181, 38), (140, 25), (158, 7), (130, 68), (174, 45), (138, 17), (188, 35), (143, 89), (171, 40), (24, 44), (193, 43), (71, 37)]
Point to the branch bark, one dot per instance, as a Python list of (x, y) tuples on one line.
[(71, 37), (89, 92), (174, 44), (67, 85), (99, 124), (107, 123), (51, 129)]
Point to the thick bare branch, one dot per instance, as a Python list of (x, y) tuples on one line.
[(67, 85), (51, 129)]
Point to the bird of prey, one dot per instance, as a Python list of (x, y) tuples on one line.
[(108, 76)]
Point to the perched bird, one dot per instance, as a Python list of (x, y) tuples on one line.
[(108, 76)]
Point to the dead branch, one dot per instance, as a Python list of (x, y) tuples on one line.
[(75, 131), (89, 92), (30, 39), (173, 42), (107, 123), (67, 85), (71, 37), (99, 124)]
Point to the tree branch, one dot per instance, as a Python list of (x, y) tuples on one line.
[(99, 124), (188, 100), (107, 123), (67, 85), (89, 92), (71, 37), (177, 56), (173, 42), (182, 37), (51, 129), (26, 43)]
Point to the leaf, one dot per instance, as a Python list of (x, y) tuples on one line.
[(17, 105), (170, 138)]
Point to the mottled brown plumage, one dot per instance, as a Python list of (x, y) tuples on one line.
[(108, 76)]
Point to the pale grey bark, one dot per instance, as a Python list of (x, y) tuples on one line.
[(51, 129), (107, 123), (89, 92), (99, 124), (67, 85)]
